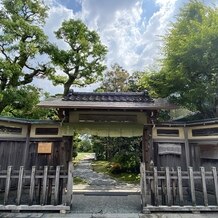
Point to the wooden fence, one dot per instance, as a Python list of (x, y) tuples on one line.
[(176, 190), (49, 188)]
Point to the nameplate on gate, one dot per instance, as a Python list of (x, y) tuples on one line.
[(44, 148), (164, 149)]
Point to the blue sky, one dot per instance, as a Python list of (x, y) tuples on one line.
[(131, 29)]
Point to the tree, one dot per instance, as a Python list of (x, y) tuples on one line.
[(25, 106), (21, 41), (189, 73), (115, 80), (82, 62)]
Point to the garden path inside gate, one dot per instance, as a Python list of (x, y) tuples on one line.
[(103, 194)]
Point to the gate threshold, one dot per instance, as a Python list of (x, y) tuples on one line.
[(106, 192)]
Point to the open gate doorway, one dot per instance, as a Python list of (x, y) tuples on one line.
[(102, 193)]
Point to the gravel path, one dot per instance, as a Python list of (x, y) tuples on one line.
[(103, 194), (98, 180)]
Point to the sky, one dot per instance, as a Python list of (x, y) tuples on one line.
[(132, 30)]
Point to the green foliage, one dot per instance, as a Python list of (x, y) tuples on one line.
[(82, 63), (126, 161), (115, 80), (76, 142), (21, 40), (140, 81), (125, 153), (108, 168), (85, 145), (189, 75), (22, 102), (78, 180)]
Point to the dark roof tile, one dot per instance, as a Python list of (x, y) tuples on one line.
[(109, 97)]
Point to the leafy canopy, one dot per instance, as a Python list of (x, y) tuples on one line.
[(189, 73), (21, 41), (115, 80), (82, 62)]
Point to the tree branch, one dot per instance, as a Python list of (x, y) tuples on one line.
[(29, 77), (3, 52)]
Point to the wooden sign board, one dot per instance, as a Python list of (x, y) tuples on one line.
[(164, 149), (44, 147)]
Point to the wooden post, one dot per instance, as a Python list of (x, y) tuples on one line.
[(147, 148), (187, 149), (168, 186), (27, 143), (32, 185), (7, 184), (173, 187), (44, 184), (192, 185), (57, 177), (70, 184), (20, 184), (204, 187), (163, 187), (214, 172), (156, 201), (180, 189), (142, 181)]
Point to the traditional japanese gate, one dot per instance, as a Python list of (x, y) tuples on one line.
[(111, 114)]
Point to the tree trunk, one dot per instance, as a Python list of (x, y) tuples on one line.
[(67, 86)]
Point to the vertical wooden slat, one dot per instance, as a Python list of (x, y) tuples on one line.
[(180, 189), (26, 148), (214, 172), (32, 185), (204, 187), (163, 189), (187, 147), (192, 185), (7, 184), (69, 184), (49, 190), (56, 190), (44, 185), (168, 186), (173, 187), (20, 184), (156, 202)]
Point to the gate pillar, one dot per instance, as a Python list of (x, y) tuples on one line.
[(147, 146)]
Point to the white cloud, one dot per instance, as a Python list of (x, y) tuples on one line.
[(133, 39)]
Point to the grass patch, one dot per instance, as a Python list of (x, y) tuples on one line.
[(80, 156), (101, 166), (104, 167), (133, 178), (78, 180)]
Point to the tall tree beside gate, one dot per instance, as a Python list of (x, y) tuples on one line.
[(21, 40), (81, 62), (189, 73)]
